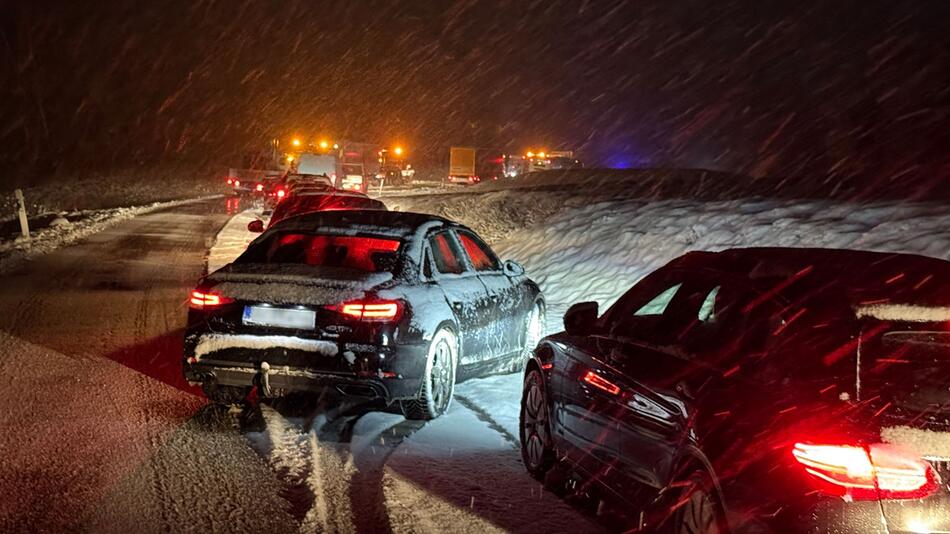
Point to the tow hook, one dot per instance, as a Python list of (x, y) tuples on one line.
[(264, 380)]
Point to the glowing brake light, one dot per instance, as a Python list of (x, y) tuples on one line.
[(281, 193), (200, 301), (384, 310), (878, 471), (601, 383), (260, 187), (230, 181), (237, 183)]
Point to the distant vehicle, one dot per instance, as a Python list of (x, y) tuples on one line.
[(756, 390), (352, 178), (373, 304), (250, 181), (318, 164), (462, 166), (292, 181), (309, 202)]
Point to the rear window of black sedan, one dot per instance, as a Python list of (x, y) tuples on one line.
[(362, 253)]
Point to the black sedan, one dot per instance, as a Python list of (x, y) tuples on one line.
[(755, 390), (375, 304)]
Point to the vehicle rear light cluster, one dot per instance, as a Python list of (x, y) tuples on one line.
[(377, 310), (601, 383), (878, 471), (230, 181), (260, 187), (201, 300), (281, 193), (237, 183)]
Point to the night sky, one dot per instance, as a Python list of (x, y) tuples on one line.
[(764, 88)]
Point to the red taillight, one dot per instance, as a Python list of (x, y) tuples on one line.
[(867, 473), (201, 300), (281, 193), (230, 181), (237, 183), (601, 383), (260, 187), (383, 310)]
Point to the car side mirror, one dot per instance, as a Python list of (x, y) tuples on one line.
[(581, 319), (256, 226), (513, 268)]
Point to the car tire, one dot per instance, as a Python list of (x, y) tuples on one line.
[(534, 424), (533, 332), (698, 510), (438, 383)]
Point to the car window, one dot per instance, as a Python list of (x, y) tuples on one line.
[(371, 254), (659, 303), (478, 252), (446, 254), (707, 310)]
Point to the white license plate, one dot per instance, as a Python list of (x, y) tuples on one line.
[(280, 317)]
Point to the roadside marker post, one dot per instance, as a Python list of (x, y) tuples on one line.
[(24, 223)]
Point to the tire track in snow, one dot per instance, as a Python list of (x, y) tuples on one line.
[(366, 489), (486, 418)]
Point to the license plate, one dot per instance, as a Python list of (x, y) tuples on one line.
[(280, 317)]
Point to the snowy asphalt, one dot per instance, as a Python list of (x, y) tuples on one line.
[(100, 433)]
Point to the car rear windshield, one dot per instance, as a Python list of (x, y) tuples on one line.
[(371, 254), (352, 169)]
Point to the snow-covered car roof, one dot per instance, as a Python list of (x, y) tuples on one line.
[(866, 277), (400, 224)]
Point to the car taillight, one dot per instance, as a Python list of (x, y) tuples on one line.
[(867, 473), (200, 300), (237, 183), (281, 193), (260, 187), (230, 181), (378, 310), (601, 383)]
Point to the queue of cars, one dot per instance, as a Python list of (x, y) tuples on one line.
[(748, 390)]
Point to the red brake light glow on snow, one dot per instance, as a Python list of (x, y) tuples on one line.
[(386, 310), (601, 383), (859, 473), (201, 300)]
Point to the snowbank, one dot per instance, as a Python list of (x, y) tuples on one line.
[(593, 236), (233, 238)]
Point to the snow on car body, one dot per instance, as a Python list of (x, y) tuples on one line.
[(388, 305)]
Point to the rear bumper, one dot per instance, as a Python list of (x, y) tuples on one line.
[(387, 373)]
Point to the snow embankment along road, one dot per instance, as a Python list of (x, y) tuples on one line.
[(586, 245)]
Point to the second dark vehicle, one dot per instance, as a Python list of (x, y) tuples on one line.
[(375, 304), (756, 390)]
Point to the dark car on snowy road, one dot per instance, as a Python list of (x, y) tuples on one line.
[(755, 390), (310, 202), (373, 304)]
